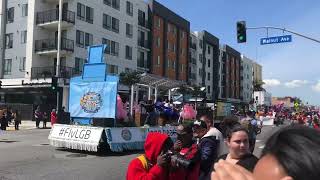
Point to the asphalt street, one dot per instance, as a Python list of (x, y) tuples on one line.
[(27, 155)]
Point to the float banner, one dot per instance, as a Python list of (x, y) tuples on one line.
[(93, 99), (133, 138), (75, 137)]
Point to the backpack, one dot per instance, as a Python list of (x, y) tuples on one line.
[(144, 162)]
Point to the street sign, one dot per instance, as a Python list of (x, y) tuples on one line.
[(277, 39)]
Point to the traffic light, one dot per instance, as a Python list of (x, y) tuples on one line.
[(54, 84), (0, 84), (241, 32)]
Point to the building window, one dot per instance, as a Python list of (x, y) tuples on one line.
[(141, 18), (22, 65), (169, 28), (128, 52), (200, 58), (208, 76), (141, 59), (129, 30), (209, 62), (182, 51), (23, 37), (9, 41), (89, 15), (200, 72), (182, 68), (174, 48), (168, 63), (80, 38), (158, 42), (10, 15), (141, 39), (168, 46), (173, 64), (106, 22), (107, 2), (182, 35), (112, 69), (108, 43), (81, 11), (7, 66), (158, 61), (115, 25), (209, 49), (114, 48), (116, 4), (78, 65), (209, 89), (158, 22), (129, 8), (88, 39), (24, 10), (200, 43)]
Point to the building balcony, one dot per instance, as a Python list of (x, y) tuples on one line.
[(143, 44), (54, 1), (193, 46), (50, 71), (49, 19), (143, 24), (50, 46)]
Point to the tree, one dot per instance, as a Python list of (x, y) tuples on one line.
[(130, 79), (257, 86)]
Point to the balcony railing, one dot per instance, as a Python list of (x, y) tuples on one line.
[(141, 63), (52, 44), (144, 23), (53, 15), (144, 44), (50, 71)]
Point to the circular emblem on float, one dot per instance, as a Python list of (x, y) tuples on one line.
[(91, 102), (126, 134)]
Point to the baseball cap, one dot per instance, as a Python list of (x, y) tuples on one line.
[(199, 123)]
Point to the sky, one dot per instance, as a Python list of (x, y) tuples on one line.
[(289, 69)]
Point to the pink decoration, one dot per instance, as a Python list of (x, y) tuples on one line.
[(121, 109)]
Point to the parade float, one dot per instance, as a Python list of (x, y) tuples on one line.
[(94, 98)]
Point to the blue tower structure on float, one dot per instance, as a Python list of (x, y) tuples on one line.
[(94, 93)]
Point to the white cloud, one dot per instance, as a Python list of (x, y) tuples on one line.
[(316, 87), (271, 82), (295, 83)]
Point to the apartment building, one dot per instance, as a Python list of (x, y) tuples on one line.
[(230, 80), (204, 63), (247, 79), (169, 42), (33, 34), (257, 72)]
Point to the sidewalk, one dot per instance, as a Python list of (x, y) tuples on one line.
[(28, 124)]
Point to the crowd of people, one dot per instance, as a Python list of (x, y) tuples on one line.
[(8, 116), (197, 147), (204, 152)]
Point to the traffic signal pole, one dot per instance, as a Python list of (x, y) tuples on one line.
[(286, 30), (58, 53)]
